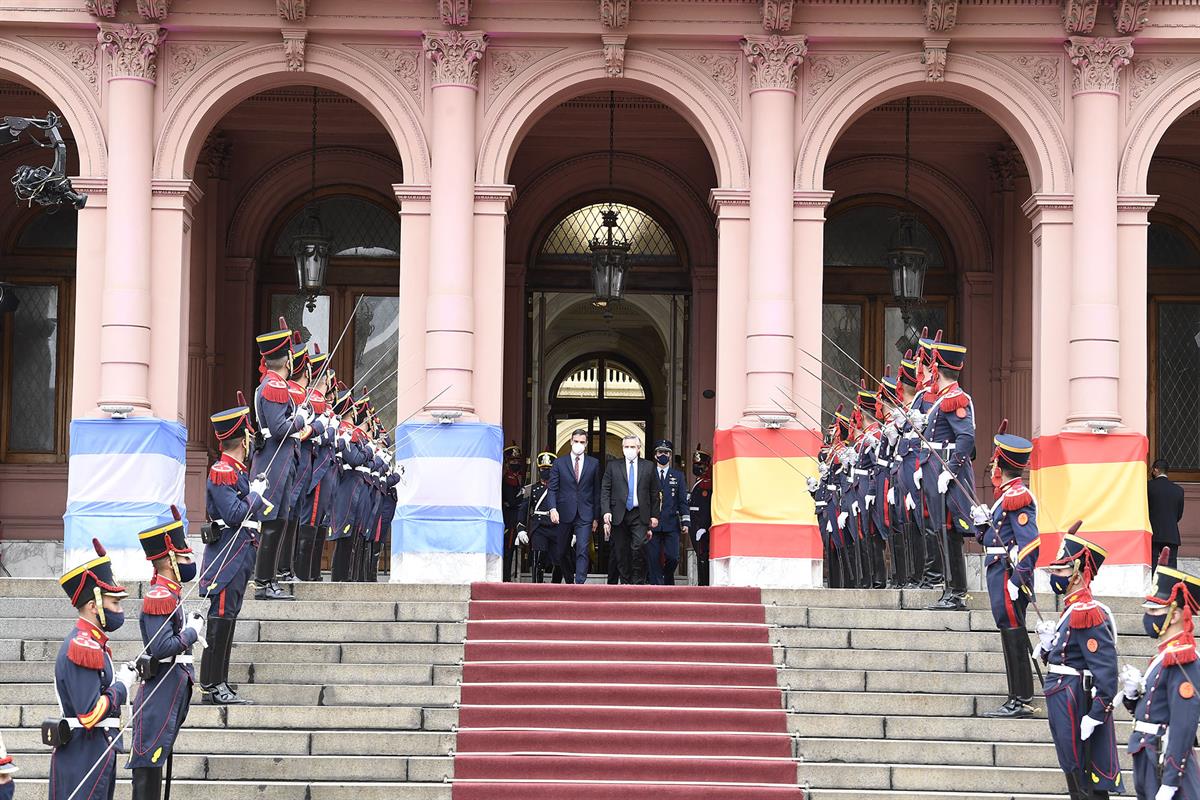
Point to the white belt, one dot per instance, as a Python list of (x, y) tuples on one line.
[(107, 722), (297, 435), (910, 435), (220, 522), (1152, 728), (939, 445), (862, 473), (361, 469), (821, 504), (831, 487), (181, 659), (1063, 669), (252, 524), (995, 551)]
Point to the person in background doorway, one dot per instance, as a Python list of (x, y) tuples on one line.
[(662, 551), (700, 508), (513, 495), (1165, 499)]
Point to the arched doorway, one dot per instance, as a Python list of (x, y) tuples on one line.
[(604, 396)]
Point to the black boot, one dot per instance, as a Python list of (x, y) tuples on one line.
[(318, 553), (264, 568), (916, 553), (373, 566), (285, 562), (214, 669), (1015, 642), (953, 598), (878, 566), (306, 540), (536, 570), (958, 566), (147, 783), (933, 576), (1005, 710), (342, 550)]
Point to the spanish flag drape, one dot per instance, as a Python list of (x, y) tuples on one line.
[(1100, 479), (761, 506)]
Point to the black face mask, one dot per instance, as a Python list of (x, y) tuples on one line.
[(544, 473), (1059, 583), (187, 572), (1154, 624), (663, 458), (698, 470), (113, 620)]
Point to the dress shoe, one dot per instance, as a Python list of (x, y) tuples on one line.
[(270, 591), (948, 603), (1013, 709), (222, 695)]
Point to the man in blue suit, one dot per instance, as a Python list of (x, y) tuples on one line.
[(662, 551), (573, 499)]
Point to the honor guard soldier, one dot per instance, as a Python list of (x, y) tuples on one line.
[(230, 547), (845, 457), (1081, 673), (1008, 532), (821, 492), (513, 494), (867, 481), (89, 687), (349, 455), (275, 460), (313, 512), (165, 665), (298, 391), (700, 508), (924, 569), (1164, 704), (947, 476), (7, 770), (534, 528), (662, 551)]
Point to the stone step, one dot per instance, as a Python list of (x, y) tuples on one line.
[(277, 694), (245, 652), (34, 789), (266, 717), (917, 728), (860, 794), (56, 630), (199, 741), (918, 751), (349, 611), (324, 591), (933, 777)]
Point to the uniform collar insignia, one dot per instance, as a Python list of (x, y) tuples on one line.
[(233, 462), (91, 631)]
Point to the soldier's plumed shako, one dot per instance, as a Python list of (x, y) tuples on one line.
[(908, 370), (545, 460), (664, 444), (299, 352), (513, 453), (275, 343), (231, 421), (889, 391), (842, 424), (1012, 451), (1173, 586), (89, 581), (1075, 548), (317, 360), (949, 356), (162, 540), (701, 457)]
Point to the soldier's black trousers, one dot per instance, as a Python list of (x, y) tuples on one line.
[(342, 550), (147, 783)]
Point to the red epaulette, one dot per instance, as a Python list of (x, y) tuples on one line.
[(955, 400), (1087, 614), (1015, 499), (86, 651), (1180, 652), (358, 435), (159, 601), (275, 390), (222, 474)]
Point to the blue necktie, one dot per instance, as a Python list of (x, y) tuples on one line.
[(632, 488)]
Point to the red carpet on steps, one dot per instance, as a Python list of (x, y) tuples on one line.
[(594, 692)]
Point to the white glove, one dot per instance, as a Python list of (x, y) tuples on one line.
[(812, 484), (891, 496), (944, 478), (128, 676), (258, 486), (908, 503), (980, 514), (1166, 792), (854, 508), (572, 540), (841, 519), (892, 434), (1086, 726), (1131, 681), (387, 459), (700, 534), (917, 477), (199, 624), (344, 438), (823, 469), (1046, 631), (849, 457), (522, 537), (305, 414), (1013, 591), (896, 418), (916, 419)]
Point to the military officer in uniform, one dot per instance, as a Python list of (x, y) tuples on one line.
[(662, 551), (512, 496), (1164, 704), (1008, 532), (89, 687), (162, 701), (318, 497), (230, 547), (866, 478), (947, 477), (7, 770), (1081, 673), (700, 510), (534, 528)]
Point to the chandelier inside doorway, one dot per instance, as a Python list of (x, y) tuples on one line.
[(610, 244), (907, 260), (310, 247)]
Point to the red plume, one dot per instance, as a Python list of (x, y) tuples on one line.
[(241, 398), (1076, 526), (925, 332), (283, 323), (175, 513), (887, 370), (100, 551), (295, 337), (937, 337), (1164, 557), (1003, 427), (838, 410), (862, 383), (908, 354), (316, 349)]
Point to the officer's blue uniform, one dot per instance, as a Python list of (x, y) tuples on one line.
[(700, 509), (1011, 546), (1082, 679), (229, 563), (662, 551), (276, 459), (1169, 708)]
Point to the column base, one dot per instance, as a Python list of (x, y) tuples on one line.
[(445, 567), (765, 572)]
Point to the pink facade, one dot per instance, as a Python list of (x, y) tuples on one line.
[(1051, 144)]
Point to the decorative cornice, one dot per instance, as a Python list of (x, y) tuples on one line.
[(934, 59), (774, 60), (613, 45), (184, 190), (503, 193), (1098, 61), (292, 10), (1079, 16), (418, 193), (454, 13), (1142, 203), (777, 15), (132, 49), (155, 10), (1130, 16), (1047, 201), (941, 15), (719, 199), (105, 9), (811, 198), (455, 56), (294, 40), (614, 14)]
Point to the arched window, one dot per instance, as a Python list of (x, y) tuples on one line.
[(360, 228), (57, 230), (1173, 253), (568, 241), (605, 397), (860, 237)]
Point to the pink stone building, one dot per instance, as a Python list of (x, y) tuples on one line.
[(463, 156)]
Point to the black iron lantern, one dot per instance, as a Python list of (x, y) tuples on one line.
[(310, 247), (906, 259), (610, 244)]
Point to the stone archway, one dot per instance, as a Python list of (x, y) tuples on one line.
[(1159, 112)]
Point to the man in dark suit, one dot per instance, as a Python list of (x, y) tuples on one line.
[(662, 551), (629, 515), (573, 498), (1165, 498)]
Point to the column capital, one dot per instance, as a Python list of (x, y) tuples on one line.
[(132, 49), (1136, 203), (413, 197), (1041, 202), (810, 204), (774, 60), (175, 193), (1098, 61), (503, 194), (730, 203), (455, 56)]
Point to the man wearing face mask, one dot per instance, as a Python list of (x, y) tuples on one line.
[(168, 635), (7, 769), (631, 500), (1009, 534), (534, 528), (512, 494), (1080, 652), (89, 687), (574, 500), (1164, 704), (700, 511), (662, 550)]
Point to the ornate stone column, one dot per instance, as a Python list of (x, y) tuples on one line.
[(1132, 227), (808, 226), (89, 283), (492, 204), (450, 310), (732, 207), (125, 337), (415, 275), (1050, 218), (770, 323), (1095, 330)]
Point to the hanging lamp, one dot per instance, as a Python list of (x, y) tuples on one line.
[(610, 244), (906, 259), (310, 247)]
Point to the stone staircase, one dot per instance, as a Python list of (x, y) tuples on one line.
[(357, 687)]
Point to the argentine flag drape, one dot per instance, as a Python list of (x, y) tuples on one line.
[(123, 477)]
